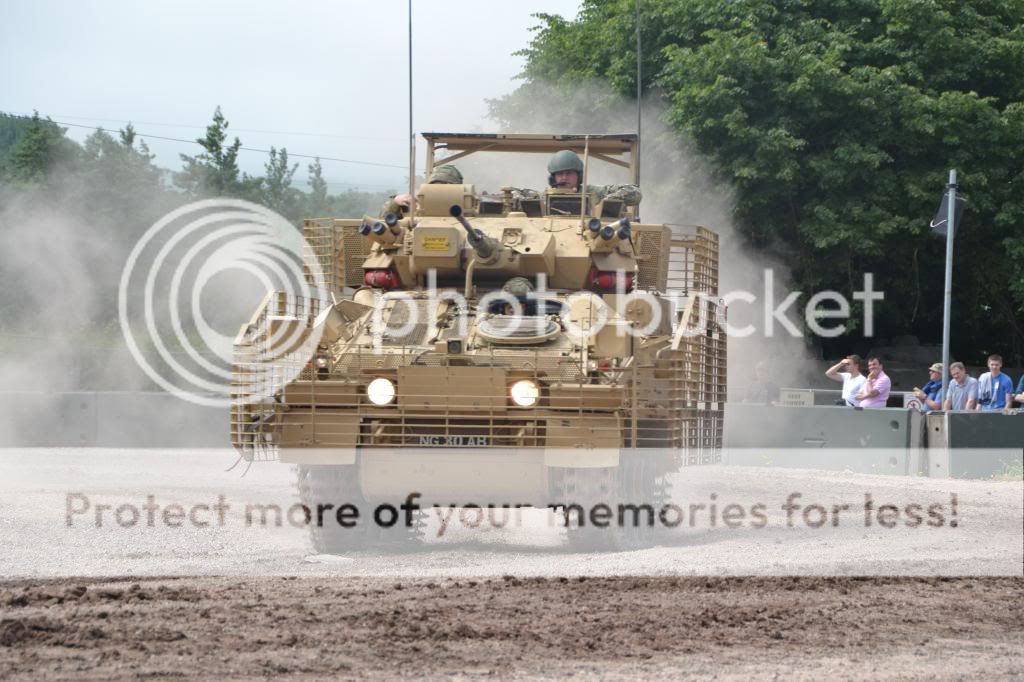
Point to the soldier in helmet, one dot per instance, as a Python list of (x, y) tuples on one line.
[(442, 175), (565, 172), (520, 287)]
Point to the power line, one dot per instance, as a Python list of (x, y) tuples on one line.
[(248, 149), (238, 130)]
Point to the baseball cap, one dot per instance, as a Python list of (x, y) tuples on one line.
[(937, 367)]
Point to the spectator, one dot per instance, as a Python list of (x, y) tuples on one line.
[(875, 391), (847, 371), (962, 393), (931, 395), (995, 390), (1020, 391), (762, 390)]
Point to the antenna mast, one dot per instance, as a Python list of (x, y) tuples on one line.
[(639, 92), (412, 135)]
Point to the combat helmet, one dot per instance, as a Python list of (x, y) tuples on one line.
[(445, 175), (565, 160)]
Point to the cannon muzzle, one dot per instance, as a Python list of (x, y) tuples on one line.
[(486, 248)]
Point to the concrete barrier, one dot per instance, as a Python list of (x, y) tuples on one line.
[(974, 444), (834, 438)]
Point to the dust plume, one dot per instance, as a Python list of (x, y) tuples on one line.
[(62, 351), (679, 187)]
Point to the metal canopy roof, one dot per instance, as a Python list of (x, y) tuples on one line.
[(545, 144), (616, 149)]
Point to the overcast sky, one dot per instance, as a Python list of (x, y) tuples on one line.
[(320, 78)]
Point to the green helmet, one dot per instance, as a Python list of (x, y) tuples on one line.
[(445, 175), (519, 287), (565, 160)]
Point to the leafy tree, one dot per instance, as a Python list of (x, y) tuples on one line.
[(316, 202), (836, 123), (119, 181), (12, 128), (214, 172), (40, 147), (277, 191)]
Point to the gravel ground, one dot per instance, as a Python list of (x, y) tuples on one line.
[(545, 628), (36, 540), (235, 602)]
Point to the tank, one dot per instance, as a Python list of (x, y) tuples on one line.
[(496, 349)]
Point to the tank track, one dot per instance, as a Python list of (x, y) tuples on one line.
[(339, 484), (641, 478)]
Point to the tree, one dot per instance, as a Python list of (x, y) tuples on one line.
[(316, 203), (277, 191), (836, 123), (40, 147), (119, 181), (214, 172)]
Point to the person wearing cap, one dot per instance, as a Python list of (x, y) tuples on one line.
[(931, 395), (442, 175), (565, 173)]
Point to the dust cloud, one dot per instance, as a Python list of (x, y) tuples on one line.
[(679, 187), (61, 345)]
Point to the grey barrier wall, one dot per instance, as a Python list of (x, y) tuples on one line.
[(889, 441), (975, 444), (109, 419), (835, 438)]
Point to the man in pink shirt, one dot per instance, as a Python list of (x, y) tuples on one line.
[(875, 391)]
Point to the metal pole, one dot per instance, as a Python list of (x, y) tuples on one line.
[(412, 135), (639, 106), (947, 303), (639, 90)]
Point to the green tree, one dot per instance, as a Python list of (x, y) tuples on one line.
[(277, 191), (316, 202), (836, 123), (38, 147), (119, 180), (214, 172)]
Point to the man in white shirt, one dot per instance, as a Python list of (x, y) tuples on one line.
[(847, 371)]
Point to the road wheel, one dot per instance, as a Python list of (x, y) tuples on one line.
[(328, 487)]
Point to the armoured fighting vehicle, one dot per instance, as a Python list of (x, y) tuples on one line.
[(513, 348)]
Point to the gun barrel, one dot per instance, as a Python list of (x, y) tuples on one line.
[(484, 246)]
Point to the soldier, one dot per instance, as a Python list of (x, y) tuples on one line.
[(565, 172), (442, 175)]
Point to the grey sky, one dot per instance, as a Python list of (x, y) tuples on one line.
[(335, 72)]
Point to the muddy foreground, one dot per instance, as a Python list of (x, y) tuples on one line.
[(732, 628)]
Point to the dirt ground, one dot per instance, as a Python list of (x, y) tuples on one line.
[(609, 628)]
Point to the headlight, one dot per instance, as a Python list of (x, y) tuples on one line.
[(525, 393), (381, 391)]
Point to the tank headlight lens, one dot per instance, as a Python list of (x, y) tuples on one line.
[(381, 391), (525, 393)]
